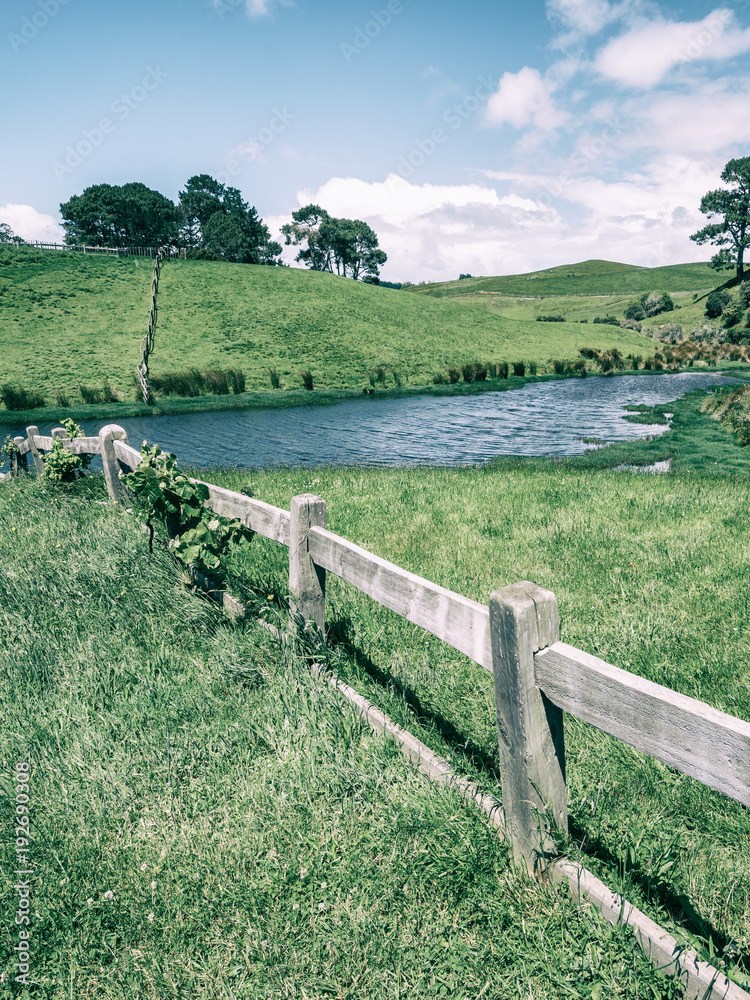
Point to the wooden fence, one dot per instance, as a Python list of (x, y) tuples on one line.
[(112, 251), (536, 679)]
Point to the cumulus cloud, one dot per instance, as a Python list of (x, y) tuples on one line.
[(29, 224), (689, 123), (643, 56), (524, 98), (586, 17)]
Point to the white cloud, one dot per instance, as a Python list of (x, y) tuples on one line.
[(524, 98), (584, 16), (29, 224), (701, 123), (643, 56)]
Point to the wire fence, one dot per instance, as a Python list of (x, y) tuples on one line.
[(153, 252)]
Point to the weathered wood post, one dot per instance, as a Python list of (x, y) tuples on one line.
[(38, 463), (18, 461), (107, 435), (523, 620), (60, 434), (307, 582)]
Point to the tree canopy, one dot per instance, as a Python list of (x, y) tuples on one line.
[(215, 218), (7, 235), (107, 215), (349, 246), (732, 233)]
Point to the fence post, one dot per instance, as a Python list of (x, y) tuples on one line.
[(107, 435), (38, 463), (60, 434), (18, 462), (523, 620), (307, 582)]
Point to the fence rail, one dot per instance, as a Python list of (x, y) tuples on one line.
[(536, 678), (112, 251)]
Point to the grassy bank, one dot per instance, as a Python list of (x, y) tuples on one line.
[(210, 821), (68, 320)]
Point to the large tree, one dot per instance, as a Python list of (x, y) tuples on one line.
[(348, 246), (106, 215), (732, 204), (7, 235), (218, 219)]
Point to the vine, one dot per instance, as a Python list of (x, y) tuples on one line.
[(61, 465), (197, 536)]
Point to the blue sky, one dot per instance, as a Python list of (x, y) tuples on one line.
[(489, 138)]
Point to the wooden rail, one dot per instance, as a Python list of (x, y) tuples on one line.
[(536, 679)]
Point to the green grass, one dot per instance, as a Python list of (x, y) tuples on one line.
[(67, 319), (590, 277), (210, 822), (259, 841)]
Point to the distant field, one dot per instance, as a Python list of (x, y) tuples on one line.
[(72, 319), (591, 277)]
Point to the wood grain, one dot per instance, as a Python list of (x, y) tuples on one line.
[(687, 734), (462, 623)]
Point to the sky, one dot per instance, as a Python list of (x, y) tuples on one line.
[(486, 138)]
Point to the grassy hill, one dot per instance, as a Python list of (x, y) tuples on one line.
[(590, 277), (70, 319)]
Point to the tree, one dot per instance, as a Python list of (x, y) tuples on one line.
[(106, 215), (208, 207), (349, 246), (732, 234), (7, 235)]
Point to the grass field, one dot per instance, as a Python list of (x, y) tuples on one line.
[(211, 822), (590, 277), (70, 319)]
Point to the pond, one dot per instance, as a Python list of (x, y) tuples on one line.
[(542, 418)]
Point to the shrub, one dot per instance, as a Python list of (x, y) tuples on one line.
[(717, 302), (501, 370), (275, 378), (396, 377), (732, 315), (532, 367), (21, 399), (634, 310), (610, 320), (550, 319), (519, 369), (60, 465), (583, 321), (440, 379), (462, 276), (110, 396), (454, 375), (744, 294), (307, 378), (61, 398), (657, 302), (671, 333), (217, 381), (380, 374), (631, 324), (468, 372), (559, 367), (236, 380)]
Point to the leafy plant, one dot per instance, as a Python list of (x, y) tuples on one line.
[(61, 465), (198, 537), (20, 399), (519, 369), (275, 378), (307, 378), (716, 303)]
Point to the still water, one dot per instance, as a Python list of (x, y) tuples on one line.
[(544, 418)]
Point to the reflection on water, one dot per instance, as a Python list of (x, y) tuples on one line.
[(545, 418)]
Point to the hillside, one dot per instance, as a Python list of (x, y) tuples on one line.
[(590, 277), (70, 319)]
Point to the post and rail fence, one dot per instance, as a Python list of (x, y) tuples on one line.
[(536, 678), (112, 251)]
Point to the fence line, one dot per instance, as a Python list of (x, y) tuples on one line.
[(114, 251), (536, 678)]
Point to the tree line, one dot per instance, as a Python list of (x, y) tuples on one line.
[(212, 221)]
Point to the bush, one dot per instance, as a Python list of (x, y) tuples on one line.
[(236, 380), (396, 377), (648, 304), (671, 333), (501, 370), (744, 293), (380, 374), (519, 369), (631, 324), (91, 396), (61, 398), (717, 302), (21, 399), (559, 367), (454, 375), (732, 315), (440, 379), (610, 320), (110, 396), (275, 378), (462, 276), (550, 319), (307, 378)]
